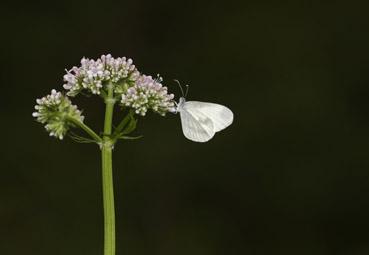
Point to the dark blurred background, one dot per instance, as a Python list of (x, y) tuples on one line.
[(290, 176)]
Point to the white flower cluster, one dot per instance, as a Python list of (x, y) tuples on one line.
[(54, 109), (148, 93), (92, 75), (135, 90)]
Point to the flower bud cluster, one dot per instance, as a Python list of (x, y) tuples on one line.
[(92, 75), (148, 93), (56, 110), (102, 77)]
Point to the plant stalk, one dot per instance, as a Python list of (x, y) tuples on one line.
[(88, 130), (107, 176)]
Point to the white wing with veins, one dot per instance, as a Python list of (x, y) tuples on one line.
[(220, 115), (196, 126)]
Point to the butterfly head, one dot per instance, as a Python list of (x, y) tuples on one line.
[(180, 104)]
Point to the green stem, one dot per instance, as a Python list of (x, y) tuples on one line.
[(108, 198), (122, 125), (107, 177), (88, 130)]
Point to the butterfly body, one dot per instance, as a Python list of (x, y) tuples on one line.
[(200, 120)]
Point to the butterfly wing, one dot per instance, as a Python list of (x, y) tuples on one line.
[(220, 115), (196, 126)]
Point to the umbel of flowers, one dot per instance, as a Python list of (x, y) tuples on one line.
[(118, 82), (114, 79), (57, 113)]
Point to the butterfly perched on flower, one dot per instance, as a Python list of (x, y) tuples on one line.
[(201, 120)]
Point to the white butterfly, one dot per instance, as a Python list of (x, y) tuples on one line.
[(200, 120)]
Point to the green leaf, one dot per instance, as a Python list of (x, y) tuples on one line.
[(130, 127), (125, 137), (80, 139), (122, 124)]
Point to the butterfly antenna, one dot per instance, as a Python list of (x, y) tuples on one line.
[(187, 87), (180, 86)]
